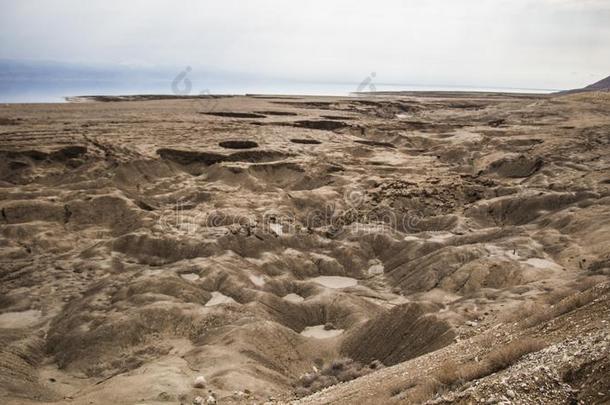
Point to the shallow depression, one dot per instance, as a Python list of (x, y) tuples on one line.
[(542, 264), (219, 298), (292, 297), (23, 319), (258, 281), (335, 281), (190, 276), (238, 144), (319, 332)]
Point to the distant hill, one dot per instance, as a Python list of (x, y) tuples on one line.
[(602, 85)]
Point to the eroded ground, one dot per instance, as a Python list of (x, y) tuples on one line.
[(251, 240)]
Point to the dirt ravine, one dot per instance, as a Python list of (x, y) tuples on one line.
[(262, 249)]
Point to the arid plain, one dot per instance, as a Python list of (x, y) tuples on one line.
[(255, 249)]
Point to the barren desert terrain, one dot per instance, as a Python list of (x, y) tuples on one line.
[(382, 248)]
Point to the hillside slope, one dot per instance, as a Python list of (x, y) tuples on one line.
[(602, 85)]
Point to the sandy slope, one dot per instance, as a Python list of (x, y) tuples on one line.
[(145, 243)]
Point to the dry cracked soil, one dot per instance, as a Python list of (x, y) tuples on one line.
[(383, 248)]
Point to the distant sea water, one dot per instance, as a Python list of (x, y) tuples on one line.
[(37, 91)]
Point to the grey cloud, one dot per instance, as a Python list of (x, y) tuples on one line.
[(515, 43)]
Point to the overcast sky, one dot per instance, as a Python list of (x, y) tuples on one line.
[(518, 43)]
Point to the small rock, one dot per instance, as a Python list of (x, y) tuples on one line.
[(198, 401), (471, 323), (199, 382), (510, 393), (492, 400)]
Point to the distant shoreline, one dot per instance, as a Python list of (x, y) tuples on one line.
[(428, 93), (33, 93)]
